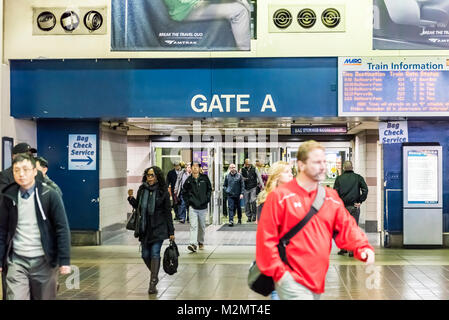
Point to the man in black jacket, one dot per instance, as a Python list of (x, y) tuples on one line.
[(252, 180), (352, 189), (196, 192), (34, 235), (172, 176), (234, 187)]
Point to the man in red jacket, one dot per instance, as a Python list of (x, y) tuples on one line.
[(308, 251)]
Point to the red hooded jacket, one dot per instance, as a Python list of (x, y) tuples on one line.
[(308, 251)]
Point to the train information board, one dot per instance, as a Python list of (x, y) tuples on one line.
[(390, 86)]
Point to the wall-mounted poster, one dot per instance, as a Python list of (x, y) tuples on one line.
[(411, 24), (182, 25)]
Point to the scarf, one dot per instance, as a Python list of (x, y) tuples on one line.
[(148, 198)]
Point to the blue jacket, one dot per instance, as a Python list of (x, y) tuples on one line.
[(234, 185)]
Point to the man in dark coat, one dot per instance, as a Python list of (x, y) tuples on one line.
[(234, 188), (352, 189), (34, 235), (252, 180), (172, 176)]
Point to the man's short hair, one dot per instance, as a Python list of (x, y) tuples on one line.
[(22, 157), (305, 148), (347, 166), (196, 162), (42, 161)]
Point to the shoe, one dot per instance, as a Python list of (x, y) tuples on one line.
[(231, 223), (342, 252), (240, 221), (182, 221), (192, 247), (351, 254), (200, 246), (155, 264)]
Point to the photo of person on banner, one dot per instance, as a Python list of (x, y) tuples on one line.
[(411, 24), (182, 25)]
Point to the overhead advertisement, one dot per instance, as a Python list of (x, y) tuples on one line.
[(411, 24), (391, 86), (182, 25)]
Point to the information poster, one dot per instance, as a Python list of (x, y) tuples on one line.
[(422, 177), (82, 151), (201, 157), (392, 86), (182, 25)]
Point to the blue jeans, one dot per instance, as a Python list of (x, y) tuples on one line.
[(151, 251), (182, 209), (233, 204)]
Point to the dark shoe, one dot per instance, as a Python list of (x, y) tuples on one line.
[(192, 247), (182, 221), (240, 221), (351, 254), (342, 252), (155, 264), (231, 223), (200, 246)]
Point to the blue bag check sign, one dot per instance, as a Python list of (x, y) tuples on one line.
[(82, 152)]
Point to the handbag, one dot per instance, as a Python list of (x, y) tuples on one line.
[(170, 260), (131, 223), (263, 284)]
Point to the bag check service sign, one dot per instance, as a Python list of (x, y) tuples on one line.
[(82, 151)]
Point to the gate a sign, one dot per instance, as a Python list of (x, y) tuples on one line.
[(82, 151)]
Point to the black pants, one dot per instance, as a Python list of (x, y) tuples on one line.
[(234, 204), (355, 212)]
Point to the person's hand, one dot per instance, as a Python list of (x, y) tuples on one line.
[(368, 256), (172, 237), (130, 192), (241, 196), (357, 205), (1, 269), (64, 269)]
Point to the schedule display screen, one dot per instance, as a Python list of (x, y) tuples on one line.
[(396, 87)]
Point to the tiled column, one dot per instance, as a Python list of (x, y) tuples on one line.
[(138, 161)]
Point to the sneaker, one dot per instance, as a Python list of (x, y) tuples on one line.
[(182, 221), (201, 246), (192, 247), (231, 223), (240, 221)]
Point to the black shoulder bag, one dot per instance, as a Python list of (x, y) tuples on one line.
[(263, 284)]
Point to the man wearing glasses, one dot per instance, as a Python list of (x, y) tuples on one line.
[(34, 235)]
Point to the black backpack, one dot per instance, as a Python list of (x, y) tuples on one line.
[(170, 261)]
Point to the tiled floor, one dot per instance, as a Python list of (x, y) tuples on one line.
[(116, 271)]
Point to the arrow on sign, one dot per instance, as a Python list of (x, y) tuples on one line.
[(89, 160)]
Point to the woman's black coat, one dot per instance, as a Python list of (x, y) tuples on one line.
[(160, 226)]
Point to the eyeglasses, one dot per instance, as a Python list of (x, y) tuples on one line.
[(150, 175), (25, 170)]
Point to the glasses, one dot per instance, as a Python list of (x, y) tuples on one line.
[(150, 175), (20, 170)]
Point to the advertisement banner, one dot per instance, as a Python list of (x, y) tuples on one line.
[(182, 25), (411, 24)]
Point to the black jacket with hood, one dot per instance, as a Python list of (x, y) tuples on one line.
[(197, 192), (51, 220)]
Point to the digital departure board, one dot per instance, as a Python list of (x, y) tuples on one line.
[(414, 86)]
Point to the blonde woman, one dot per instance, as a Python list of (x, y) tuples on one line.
[(279, 173)]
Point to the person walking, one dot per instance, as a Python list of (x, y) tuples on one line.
[(183, 207), (197, 191), (156, 224), (34, 235), (252, 180), (172, 176), (280, 173), (308, 251), (234, 187), (352, 189), (42, 166)]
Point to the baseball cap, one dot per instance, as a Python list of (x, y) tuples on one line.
[(23, 148)]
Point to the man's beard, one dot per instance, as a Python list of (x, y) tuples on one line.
[(315, 177)]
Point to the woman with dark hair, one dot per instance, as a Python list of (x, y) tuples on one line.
[(156, 224)]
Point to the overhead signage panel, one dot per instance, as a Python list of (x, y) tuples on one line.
[(318, 130), (389, 86)]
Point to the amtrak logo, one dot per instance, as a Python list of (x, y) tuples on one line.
[(175, 42)]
